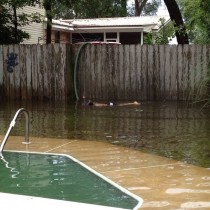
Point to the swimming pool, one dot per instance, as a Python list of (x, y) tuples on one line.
[(49, 178)]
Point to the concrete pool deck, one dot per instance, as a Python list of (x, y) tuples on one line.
[(162, 183)]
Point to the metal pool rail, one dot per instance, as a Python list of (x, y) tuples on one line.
[(12, 124)]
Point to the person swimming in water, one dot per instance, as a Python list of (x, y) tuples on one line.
[(91, 103)]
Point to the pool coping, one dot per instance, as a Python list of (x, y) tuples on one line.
[(139, 199), (23, 202)]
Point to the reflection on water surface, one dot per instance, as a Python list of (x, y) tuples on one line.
[(170, 129)]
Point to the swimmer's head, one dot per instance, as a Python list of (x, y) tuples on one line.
[(110, 104), (90, 103)]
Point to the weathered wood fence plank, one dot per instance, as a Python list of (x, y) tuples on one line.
[(116, 82), (150, 72), (179, 73), (138, 76), (28, 72), (162, 71), (156, 72), (144, 79), (121, 75), (23, 72), (173, 74), (34, 72), (204, 63), (103, 72), (167, 71)]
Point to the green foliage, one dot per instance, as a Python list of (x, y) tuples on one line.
[(151, 8), (11, 36), (148, 39), (11, 21), (196, 14), (100, 9), (62, 10), (203, 92), (89, 9), (163, 36)]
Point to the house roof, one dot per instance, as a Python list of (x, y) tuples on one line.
[(117, 21), (145, 23), (141, 23), (61, 26)]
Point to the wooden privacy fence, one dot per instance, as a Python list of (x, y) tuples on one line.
[(35, 72), (148, 72), (105, 72)]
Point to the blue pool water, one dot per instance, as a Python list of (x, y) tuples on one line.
[(58, 177)]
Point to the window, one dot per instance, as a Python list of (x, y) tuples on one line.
[(111, 37)]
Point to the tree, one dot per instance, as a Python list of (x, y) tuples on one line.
[(151, 7), (63, 10), (11, 21), (10, 34), (99, 9), (51, 6), (197, 17), (176, 18), (48, 8), (139, 5), (163, 36), (144, 7)]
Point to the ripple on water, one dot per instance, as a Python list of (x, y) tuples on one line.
[(206, 178), (206, 184), (138, 188), (195, 205), (174, 191), (155, 204)]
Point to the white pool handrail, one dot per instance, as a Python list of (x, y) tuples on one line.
[(12, 124)]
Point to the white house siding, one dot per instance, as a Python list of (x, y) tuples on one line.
[(35, 30)]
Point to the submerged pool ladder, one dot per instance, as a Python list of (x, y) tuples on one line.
[(12, 124)]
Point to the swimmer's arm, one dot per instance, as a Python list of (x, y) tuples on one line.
[(132, 103)]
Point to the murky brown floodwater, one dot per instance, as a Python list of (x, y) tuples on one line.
[(173, 130)]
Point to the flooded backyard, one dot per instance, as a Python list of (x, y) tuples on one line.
[(173, 130)]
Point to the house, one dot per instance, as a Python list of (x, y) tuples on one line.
[(124, 30), (35, 30)]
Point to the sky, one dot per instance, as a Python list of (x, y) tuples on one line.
[(163, 10)]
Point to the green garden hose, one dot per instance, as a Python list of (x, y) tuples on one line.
[(75, 69)]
